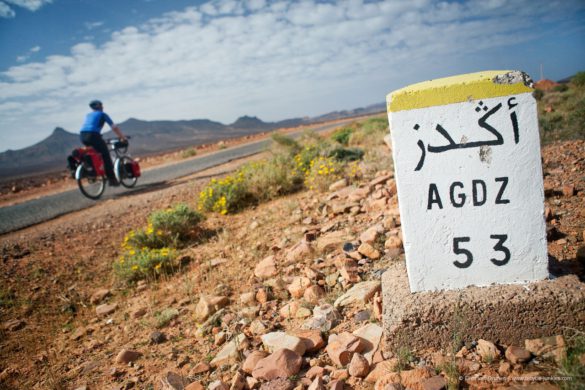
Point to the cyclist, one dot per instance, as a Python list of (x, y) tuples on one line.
[(90, 136)]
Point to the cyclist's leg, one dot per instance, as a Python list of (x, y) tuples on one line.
[(96, 141)]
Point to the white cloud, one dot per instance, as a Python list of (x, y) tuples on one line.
[(275, 59), (6, 11), (93, 25), (31, 5)]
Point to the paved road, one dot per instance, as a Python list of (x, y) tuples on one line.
[(39, 210)]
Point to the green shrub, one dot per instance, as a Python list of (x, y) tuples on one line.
[(136, 264), (538, 94), (550, 123), (289, 145), (342, 135), (579, 79), (323, 172), (560, 88), (189, 153), (177, 222), (229, 194), (164, 317), (370, 133), (571, 366), (313, 140), (146, 238), (576, 119), (345, 154), (303, 159), (166, 228), (267, 179)]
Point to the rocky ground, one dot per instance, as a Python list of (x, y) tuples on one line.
[(282, 296)]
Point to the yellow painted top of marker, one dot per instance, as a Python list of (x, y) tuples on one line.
[(457, 89)]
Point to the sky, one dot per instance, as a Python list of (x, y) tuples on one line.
[(222, 59)]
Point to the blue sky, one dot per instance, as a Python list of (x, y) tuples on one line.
[(162, 59)]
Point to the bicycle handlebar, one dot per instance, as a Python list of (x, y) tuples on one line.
[(112, 140)]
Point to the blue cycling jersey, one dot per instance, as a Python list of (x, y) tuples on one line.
[(94, 121)]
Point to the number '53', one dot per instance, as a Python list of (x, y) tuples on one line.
[(458, 249)]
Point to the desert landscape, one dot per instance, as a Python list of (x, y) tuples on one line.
[(273, 285)]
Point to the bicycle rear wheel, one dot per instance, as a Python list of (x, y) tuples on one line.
[(124, 172), (90, 185)]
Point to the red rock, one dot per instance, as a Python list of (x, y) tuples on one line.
[(358, 366), (298, 286), (505, 368), (217, 385), (393, 242), (336, 385), (199, 368), (262, 295), (369, 251), (278, 384), (209, 304), (127, 356), (315, 371), (140, 312), (348, 268), (436, 382), (251, 361), (359, 194), (340, 374), (280, 364), (381, 369), (371, 235), (173, 381), (299, 252), (383, 177), (99, 296), (238, 382), (487, 350), (252, 382), (289, 310), (341, 348), (317, 384), (410, 378), (517, 355), (547, 347), (105, 309), (568, 190), (312, 339), (313, 294), (266, 268), (195, 386)]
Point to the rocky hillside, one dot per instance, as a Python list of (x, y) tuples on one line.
[(282, 296)]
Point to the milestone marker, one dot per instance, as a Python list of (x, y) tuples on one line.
[(469, 179)]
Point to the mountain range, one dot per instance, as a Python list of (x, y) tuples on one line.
[(150, 137)]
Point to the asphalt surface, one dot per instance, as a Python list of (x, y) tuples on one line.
[(43, 209)]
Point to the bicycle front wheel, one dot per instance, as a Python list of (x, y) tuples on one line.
[(123, 167), (90, 185)]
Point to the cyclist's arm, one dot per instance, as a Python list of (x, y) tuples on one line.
[(114, 127), (118, 132)]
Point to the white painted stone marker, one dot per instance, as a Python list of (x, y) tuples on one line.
[(469, 178)]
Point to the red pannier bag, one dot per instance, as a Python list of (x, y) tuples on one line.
[(133, 168), (96, 160)]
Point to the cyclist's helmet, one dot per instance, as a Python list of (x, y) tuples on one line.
[(95, 104)]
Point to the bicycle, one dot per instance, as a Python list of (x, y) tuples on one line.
[(87, 167)]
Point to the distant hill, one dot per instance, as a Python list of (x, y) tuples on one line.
[(41, 156), (150, 137)]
